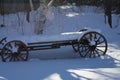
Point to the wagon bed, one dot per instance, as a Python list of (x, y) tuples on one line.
[(48, 38), (86, 43)]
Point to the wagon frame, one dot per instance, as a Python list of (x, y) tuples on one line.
[(91, 44)]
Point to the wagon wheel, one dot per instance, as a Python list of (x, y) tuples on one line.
[(14, 51), (75, 47), (92, 44)]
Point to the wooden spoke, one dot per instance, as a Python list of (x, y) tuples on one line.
[(97, 53), (22, 57), (87, 53), (9, 45), (84, 52), (11, 58), (8, 50), (92, 54), (7, 57), (99, 50), (100, 42), (84, 49), (90, 36), (101, 46), (95, 36), (98, 38)]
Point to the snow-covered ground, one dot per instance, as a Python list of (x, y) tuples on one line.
[(64, 63)]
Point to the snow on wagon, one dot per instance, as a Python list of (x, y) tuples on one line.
[(87, 43)]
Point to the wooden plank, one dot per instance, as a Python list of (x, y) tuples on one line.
[(49, 45), (57, 42)]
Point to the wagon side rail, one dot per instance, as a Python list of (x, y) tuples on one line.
[(50, 45)]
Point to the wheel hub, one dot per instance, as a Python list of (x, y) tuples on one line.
[(92, 48), (15, 54)]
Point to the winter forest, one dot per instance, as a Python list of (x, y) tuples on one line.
[(59, 39), (39, 10)]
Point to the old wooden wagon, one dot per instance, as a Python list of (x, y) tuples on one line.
[(86, 42)]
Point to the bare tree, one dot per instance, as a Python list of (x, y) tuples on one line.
[(33, 15), (42, 19), (39, 24)]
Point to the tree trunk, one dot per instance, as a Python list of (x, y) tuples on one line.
[(108, 11), (33, 15), (41, 22), (2, 12)]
